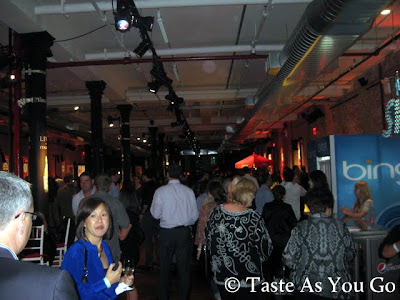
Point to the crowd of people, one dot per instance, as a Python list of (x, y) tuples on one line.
[(251, 224)]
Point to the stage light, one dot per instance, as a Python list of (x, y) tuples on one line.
[(123, 16), (174, 124), (141, 49), (174, 98), (123, 19), (110, 121), (171, 107), (143, 22), (154, 86)]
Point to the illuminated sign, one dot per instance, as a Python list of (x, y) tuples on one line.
[(392, 112)]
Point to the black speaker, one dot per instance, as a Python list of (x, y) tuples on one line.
[(363, 81), (313, 115)]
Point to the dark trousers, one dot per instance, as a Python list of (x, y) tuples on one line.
[(150, 227), (175, 241)]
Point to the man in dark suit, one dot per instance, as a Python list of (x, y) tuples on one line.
[(24, 280)]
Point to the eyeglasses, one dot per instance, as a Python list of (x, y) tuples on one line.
[(34, 215)]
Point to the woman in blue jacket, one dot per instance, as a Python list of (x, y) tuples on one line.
[(89, 259)]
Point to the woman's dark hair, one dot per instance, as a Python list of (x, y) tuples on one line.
[(279, 192), (86, 207), (217, 191), (318, 200), (319, 179)]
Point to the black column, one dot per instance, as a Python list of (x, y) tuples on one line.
[(154, 149), (96, 89), (35, 50), (125, 129), (161, 150)]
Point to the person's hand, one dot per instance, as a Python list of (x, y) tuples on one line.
[(343, 209), (114, 276), (198, 254), (128, 280)]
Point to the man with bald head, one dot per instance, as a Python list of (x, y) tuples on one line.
[(18, 279)]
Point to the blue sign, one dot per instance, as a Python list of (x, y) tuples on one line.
[(376, 160)]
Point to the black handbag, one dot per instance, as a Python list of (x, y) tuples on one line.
[(205, 262)]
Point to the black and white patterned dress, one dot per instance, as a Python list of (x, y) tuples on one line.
[(238, 244), (320, 247)]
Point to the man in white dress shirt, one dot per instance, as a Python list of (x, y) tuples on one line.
[(293, 192), (86, 182), (175, 205)]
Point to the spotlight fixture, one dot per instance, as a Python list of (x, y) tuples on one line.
[(171, 106), (110, 121), (154, 86), (76, 108), (123, 16), (143, 22), (141, 49), (174, 98), (174, 124)]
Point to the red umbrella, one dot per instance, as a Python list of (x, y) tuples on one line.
[(254, 161)]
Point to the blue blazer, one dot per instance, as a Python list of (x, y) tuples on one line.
[(73, 262), (20, 280)]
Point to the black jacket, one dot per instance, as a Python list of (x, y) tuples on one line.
[(280, 220)]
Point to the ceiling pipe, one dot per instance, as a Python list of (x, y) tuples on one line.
[(70, 8), (127, 60), (320, 18), (188, 51), (374, 54)]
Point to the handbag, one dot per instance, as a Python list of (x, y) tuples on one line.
[(205, 261)]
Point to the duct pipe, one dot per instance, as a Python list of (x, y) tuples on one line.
[(320, 18), (127, 60), (189, 51), (70, 8)]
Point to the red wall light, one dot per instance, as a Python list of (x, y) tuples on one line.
[(314, 130)]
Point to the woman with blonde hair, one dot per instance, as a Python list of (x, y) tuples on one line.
[(363, 208), (238, 241)]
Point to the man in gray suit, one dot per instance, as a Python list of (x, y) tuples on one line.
[(24, 280)]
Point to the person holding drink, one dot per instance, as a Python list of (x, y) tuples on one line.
[(89, 260)]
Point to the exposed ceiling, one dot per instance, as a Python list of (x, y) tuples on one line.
[(243, 67)]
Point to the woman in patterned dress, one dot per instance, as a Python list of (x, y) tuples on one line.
[(319, 248), (238, 241)]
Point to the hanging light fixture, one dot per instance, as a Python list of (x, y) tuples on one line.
[(123, 15), (141, 49), (154, 86), (145, 22)]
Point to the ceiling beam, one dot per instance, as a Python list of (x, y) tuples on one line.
[(70, 8)]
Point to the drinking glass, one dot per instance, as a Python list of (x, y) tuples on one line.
[(128, 267)]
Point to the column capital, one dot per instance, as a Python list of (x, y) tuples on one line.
[(96, 88)]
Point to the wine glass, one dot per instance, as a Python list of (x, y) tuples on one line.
[(128, 267)]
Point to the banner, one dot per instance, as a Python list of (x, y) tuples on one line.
[(376, 160)]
